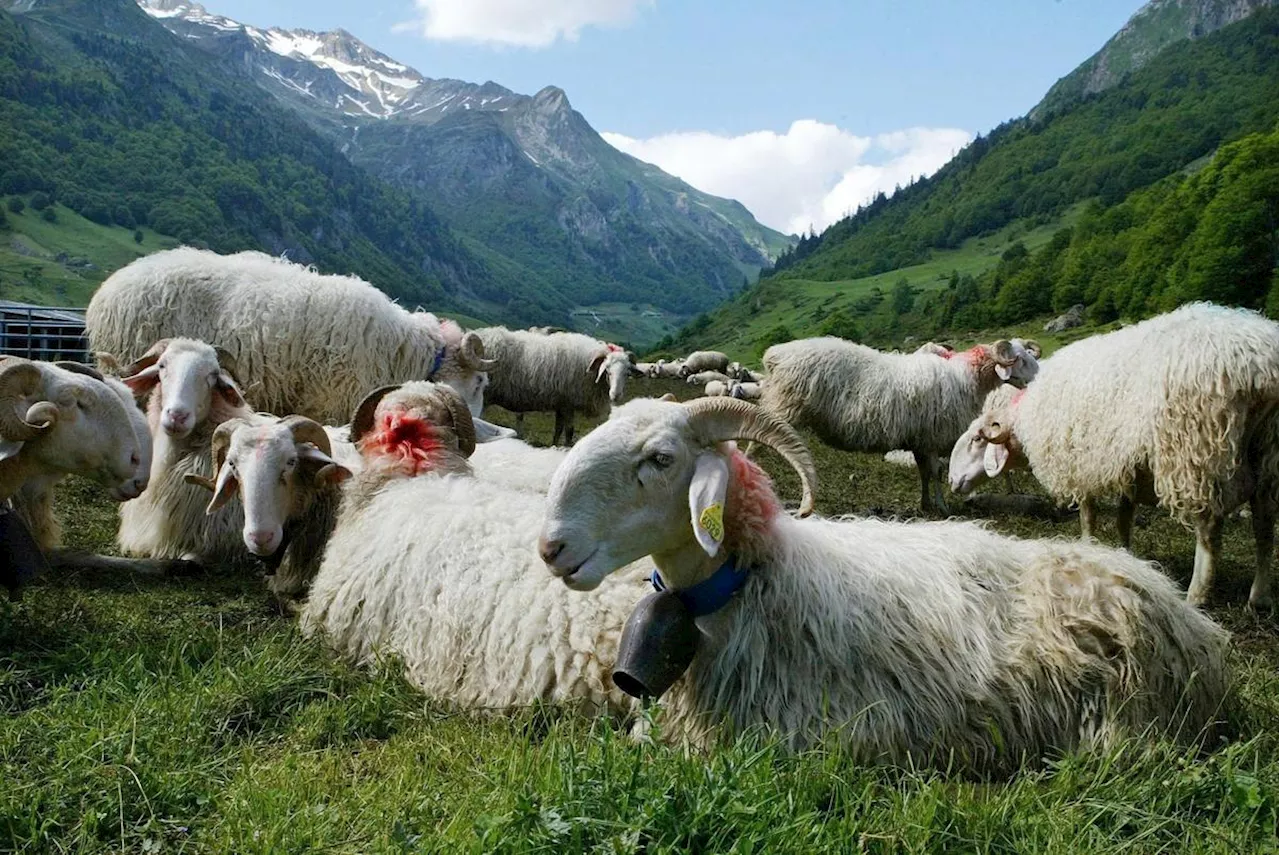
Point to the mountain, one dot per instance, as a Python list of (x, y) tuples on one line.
[(1154, 27), (524, 179), (1040, 185), (109, 116)]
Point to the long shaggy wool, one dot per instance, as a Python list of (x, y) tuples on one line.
[(1184, 395), (442, 572), (941, 643), (516, 465), (860, 399), (539, 372), (304, 342)]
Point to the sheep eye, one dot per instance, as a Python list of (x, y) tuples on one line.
[(662, 460)]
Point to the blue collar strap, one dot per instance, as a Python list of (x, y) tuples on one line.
[(711, 594), (435, 366)]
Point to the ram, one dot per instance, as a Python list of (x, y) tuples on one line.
[(564, 373), (859, 399), (303, 342), (1178, 410), (926, 642)]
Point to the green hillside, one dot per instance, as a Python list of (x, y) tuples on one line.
[(871, 275)]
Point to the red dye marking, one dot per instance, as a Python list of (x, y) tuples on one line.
[(752, 501), (975, 354), (1017, 397), (613, 348), (947, 354), (406, 441)]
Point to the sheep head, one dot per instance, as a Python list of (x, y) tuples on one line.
[(192, 377), (65, 421), (990, 445), (413, 422), (1016, 360), (651, 481)]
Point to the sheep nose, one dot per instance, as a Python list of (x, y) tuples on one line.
[(261, 538), (549, 549)]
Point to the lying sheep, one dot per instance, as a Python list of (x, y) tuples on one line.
[(704, 360), (715, 389), (859, 399), (303, 342), (704, 377), (745, 391), (663, 370), (437, 567), (190, 390), (1190, 424), (913, 642), (562, 372)]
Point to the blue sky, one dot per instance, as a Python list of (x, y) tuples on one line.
[(668, 78)]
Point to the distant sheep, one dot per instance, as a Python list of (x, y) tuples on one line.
[(302, 342), (704, 360), (1179, 409), (702, 378), (564, 373), (859, 399), (938, 643)]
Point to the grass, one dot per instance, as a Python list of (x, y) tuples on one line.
[(29, 249), (142, 714), (801, 305)]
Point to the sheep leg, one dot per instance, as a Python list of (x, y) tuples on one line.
[(1208, 547), (1262, 507), (559, 428), (568, 427), (1124, 520), (1088, 514), (520, 425), (931, 501)]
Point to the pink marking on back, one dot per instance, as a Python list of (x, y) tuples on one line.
[(406, 442), (1017, 397)]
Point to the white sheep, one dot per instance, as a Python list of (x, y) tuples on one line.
[(859, 399), (438, 568), (1178, 410), (934, 642), (303, 342), (715, 389), (564, 373), (704, 360), (191, 390), (702, 378), (664, 370), (745, 391)]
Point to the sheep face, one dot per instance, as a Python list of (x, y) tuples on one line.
[(141, 432), (271, 467), (612, 367), (1019, 363), (967, 469), (621, 493), (190, 376), (66, 422)]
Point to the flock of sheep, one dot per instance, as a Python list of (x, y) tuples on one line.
[(253, 410)]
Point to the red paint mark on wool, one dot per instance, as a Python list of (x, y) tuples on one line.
[(975, 354), (408, 441), (752, 501), (1017, 397), (947, 354), (451, 331), (613, 348)]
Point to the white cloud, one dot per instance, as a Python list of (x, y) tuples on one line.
[(813, 174), (525, 23)]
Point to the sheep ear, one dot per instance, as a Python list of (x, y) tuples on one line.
[(227, 386), (995, 459), (9, 448), (332, 473), (1004, 372), (597, 366), (144, 381), (706, 500), (225, 489)]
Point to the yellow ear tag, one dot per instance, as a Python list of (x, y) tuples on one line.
[(712, 521)]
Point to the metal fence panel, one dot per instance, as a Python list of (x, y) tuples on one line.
[(47, 333)]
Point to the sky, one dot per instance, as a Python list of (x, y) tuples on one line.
[(800, 110)]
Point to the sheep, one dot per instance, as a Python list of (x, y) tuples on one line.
[(704, 360), (715, 389), (1178, 410), (859, 399), (190, 389), (663, 370), (56, 421), (439, 570), (704, 377), (936, 642), (303, 342), (561, 372), (643, 369), (517, 465), (745, 391)]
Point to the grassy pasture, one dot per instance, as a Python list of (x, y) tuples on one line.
[(142, 714)]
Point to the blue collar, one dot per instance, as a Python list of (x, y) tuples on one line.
[(435, 366), (712, 593)]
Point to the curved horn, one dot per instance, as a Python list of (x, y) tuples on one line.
[(146, 360), (995, 433), (221, 442), (308, 430), (226, 361), (471, 354), (721, 419), (1003, 353), (463, 425), (19, 379), (1032, 346), (362, 421), (79, 368)]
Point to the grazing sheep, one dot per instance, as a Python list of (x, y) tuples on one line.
[(190, 389), (859, 399), (562, 372), (935, 642), (302, 342), (438, 568), (704, 360), (1178, 410)]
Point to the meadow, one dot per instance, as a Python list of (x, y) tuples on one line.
[(158, 714)]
